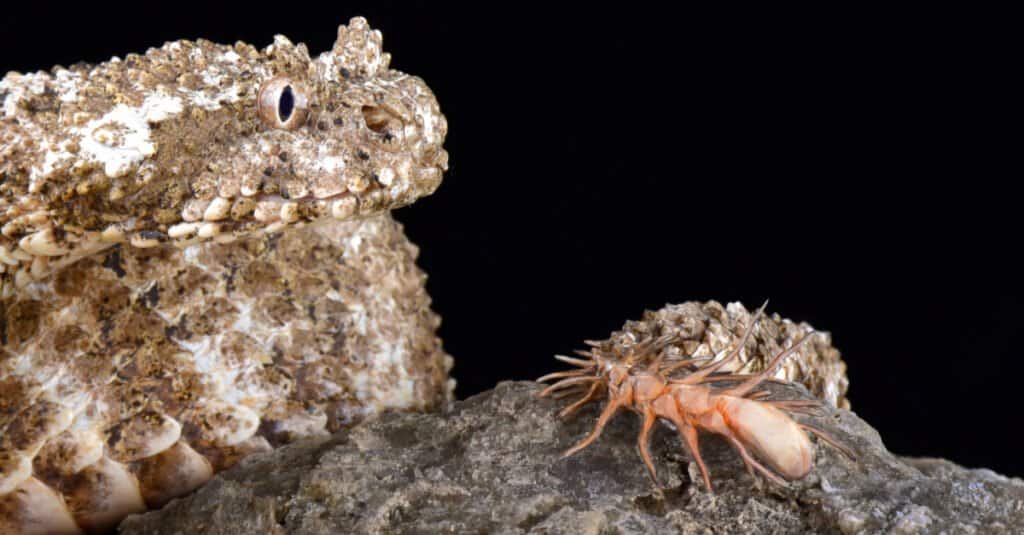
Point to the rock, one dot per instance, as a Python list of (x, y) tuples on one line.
[(491, 464)]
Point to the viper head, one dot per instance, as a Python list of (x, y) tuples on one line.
[(196, 141)]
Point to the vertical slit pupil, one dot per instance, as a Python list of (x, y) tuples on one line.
[(285, 104)]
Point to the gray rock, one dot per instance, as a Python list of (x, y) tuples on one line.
[(491, 464)]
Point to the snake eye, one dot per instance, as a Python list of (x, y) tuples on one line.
[(283, 103)]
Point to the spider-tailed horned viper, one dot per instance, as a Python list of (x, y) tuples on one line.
[(198, 263)]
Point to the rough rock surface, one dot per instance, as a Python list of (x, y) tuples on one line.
[(490, 464)]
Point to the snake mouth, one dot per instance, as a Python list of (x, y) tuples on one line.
[(225, 220), (228, 219), (273, 208)]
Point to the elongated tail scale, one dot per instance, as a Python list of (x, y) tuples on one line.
[(691, 397), (770, 434)]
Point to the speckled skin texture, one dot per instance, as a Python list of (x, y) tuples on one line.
[(707, 329), (176, 146), (196, 267)]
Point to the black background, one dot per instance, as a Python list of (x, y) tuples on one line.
[(854, 167)]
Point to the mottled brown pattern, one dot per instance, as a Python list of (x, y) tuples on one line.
[(309, 346), (184, 281)]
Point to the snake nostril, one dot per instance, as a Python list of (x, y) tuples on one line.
[(377, 119)]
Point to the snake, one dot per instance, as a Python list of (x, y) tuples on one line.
[(198, 263)]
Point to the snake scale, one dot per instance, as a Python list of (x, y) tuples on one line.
[(197, 263)]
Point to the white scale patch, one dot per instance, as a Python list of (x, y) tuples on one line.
[(20, 84), (214, 100), (204, 352), (119, 140), (230, 56), (217, 93)]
